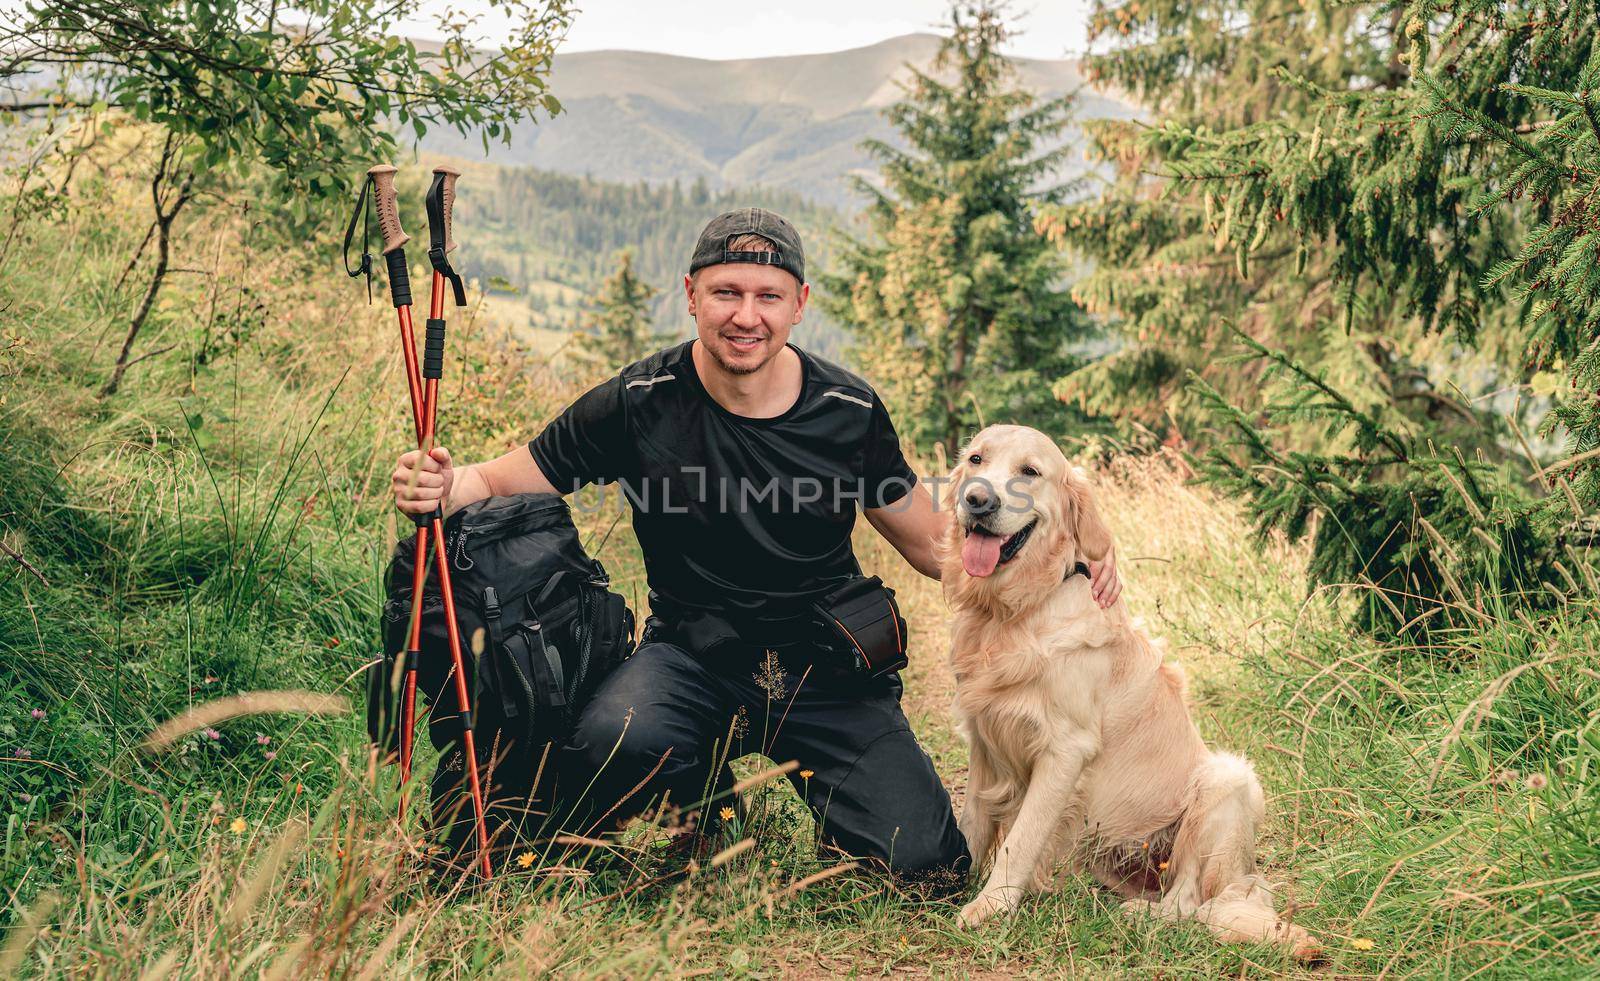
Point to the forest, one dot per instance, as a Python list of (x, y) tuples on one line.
[(1322, 326)]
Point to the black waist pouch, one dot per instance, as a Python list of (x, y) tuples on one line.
[(862, 619)]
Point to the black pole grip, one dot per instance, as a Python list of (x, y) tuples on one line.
[(433, 349), (399, 277)]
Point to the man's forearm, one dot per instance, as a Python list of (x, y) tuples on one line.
[(927, 562), (914, 528), (470, 486)]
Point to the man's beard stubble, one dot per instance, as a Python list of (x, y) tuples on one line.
[(733, 369)]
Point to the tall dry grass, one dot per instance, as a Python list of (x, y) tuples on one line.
[(218, 528)]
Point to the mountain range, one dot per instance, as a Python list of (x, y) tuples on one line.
[(792, 123)]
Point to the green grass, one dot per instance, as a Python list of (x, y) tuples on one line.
[(220, 528)]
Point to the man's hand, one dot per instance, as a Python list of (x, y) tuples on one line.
[(421, 489), (1104, 582)]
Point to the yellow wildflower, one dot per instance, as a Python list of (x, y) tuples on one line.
[(237, 826), (525, 859), (1362, 943), (726, 814), (807, 774)]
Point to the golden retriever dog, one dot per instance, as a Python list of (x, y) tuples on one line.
[(1082, 749)]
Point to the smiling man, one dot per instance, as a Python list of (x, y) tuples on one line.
[(745, 460)]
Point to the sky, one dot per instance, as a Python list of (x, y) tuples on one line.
[(724, 29)]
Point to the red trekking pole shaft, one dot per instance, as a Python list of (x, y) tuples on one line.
[(441, 202), (394, 254), (423, 386)]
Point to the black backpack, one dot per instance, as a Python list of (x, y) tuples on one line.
[(540, 627)]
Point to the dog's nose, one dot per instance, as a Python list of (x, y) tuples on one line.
[(980, 502)]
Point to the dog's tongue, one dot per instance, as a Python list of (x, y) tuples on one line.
[(980, 553)]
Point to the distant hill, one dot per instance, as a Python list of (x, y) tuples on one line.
[(540, 243), (792, 124)]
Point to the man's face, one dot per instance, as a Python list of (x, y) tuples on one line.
[(744, 312)]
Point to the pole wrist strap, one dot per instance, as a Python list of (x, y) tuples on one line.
[(437, 256), (362, 213)]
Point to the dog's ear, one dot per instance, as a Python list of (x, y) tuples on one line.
[(1094, 538)]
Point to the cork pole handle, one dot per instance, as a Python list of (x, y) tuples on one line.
[(446, 176), (383, 193)]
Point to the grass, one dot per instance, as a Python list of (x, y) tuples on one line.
[(219, 528)]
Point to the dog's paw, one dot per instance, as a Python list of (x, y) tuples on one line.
[(987, 904)]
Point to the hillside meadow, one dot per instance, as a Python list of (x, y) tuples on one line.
[(218, 527)]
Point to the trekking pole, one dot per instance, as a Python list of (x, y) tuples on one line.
[(423, 387), (394, 255), (440, 203)]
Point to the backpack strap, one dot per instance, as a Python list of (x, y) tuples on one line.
[(491, 622), (547, 672)]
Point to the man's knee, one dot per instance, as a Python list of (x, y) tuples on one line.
[(893, 808), (936, 859), (625, 738), (627, 742)]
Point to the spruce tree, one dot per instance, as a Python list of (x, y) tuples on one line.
[(1220, 212), (1369, 200), (616, 330), (955, 300)]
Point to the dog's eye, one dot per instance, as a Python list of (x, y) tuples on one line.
[(975, 458), (1030, 472)]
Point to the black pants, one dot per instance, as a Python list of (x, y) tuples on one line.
[(660, 727)]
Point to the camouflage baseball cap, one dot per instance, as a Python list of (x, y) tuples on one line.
[(712, 249)]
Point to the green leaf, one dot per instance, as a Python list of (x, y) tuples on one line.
[(1546, 383)]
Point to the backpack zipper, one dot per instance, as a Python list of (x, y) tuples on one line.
[(586, 647)]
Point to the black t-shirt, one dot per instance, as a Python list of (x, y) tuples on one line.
[(749, 519)]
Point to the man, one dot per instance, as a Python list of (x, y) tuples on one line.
[(744, 459)]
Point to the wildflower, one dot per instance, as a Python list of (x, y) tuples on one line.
[(807, 774), (1363, 943), (525, 859), (263, 739), (726, 813), (1163, 866), (211, 679), (270, 754), (299, 788), (22, 753), (771, 678), (1536, 781), (213, 734), (1502, 777), (237, 826), (25, 798), (37, 713)]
